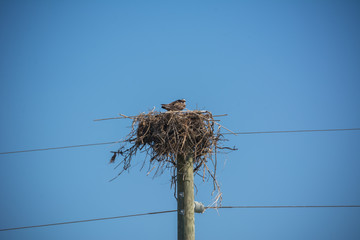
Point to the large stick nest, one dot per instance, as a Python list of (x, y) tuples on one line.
[(166, 136)]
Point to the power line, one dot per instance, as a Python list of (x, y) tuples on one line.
[(299, 206), (160, 212), (87, 220), (300, 131), (54, 148), (243, 133)]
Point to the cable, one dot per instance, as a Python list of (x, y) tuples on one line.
[(264, 132), (87, 220), (153, 213), (300, 131), (54, 148), (300, 206)]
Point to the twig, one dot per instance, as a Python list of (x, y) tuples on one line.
[(102, 119), (225, 128), (132, 117), (124, 116)]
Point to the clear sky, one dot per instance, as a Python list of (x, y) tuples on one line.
[(270, 65)]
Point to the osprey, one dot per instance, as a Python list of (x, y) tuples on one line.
[(177, 105)]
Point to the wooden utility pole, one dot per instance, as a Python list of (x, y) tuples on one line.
[(185, 195)]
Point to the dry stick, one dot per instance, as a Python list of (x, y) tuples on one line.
[(122, 117), (132, 117), (117, 175), (216, 186), (225, 128), (102, 119), (150, 170)]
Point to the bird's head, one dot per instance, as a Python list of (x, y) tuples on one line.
[(181, 100)]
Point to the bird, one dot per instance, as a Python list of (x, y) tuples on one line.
[(177, 105)]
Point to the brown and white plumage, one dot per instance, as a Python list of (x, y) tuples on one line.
[(177, 105)]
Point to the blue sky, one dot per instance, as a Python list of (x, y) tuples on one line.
[(270, 65)]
